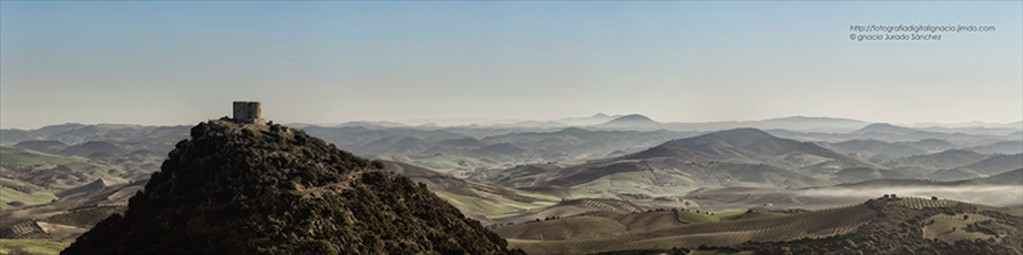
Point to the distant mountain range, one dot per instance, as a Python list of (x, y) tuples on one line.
[(990, 166), (891, 133), (877, 150), (448, 149), (793, 123), (74, 133), (797, 123), (461, 150)]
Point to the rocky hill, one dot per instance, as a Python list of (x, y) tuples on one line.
[(269, 189)]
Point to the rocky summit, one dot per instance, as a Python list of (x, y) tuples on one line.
[(268, 189)]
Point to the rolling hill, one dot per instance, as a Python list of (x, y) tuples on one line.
[(459, 149), (673, 233), (74, 133), (47, 146), (917, 225), (484, 202), (586, 121), (14, 193), (878, 151), (803, 123), (930, 145), (990, 166), (631, 122), (58, 173), (59, 197), (884, 225), (92, 149), (928, 140), (747, 145), (674, 168), (73, 213), (569, 183), (1003, 147), (929, 163), (793, 123), (1014, 177), (854, 175), (975, 191), (885, 128)]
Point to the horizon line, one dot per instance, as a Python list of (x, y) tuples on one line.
[(499, 122)]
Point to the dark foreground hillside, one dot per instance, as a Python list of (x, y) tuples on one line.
[(258, 189)]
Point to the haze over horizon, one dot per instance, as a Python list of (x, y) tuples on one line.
[(455, 122), (167, 63)]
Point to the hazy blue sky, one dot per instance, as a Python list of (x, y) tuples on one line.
[(331, 62)]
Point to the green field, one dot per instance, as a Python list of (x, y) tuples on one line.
[(23, 157), (474, 205), (493, 206), (640, 182), (10, 192), (31, 247), (42, 162)]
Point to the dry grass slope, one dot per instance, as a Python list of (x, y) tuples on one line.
[(662, 230), (920, 226)]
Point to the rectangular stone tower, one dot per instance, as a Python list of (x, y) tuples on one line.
[(247, 112)]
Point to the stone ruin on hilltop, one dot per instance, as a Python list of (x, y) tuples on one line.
[(247, 112)]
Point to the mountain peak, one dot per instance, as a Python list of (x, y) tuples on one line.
[(632, 122), (743, 145), (882, 125), (708, 144), (743, 132), (632, 118), (885, 128), (739, 137), (244, 189)]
